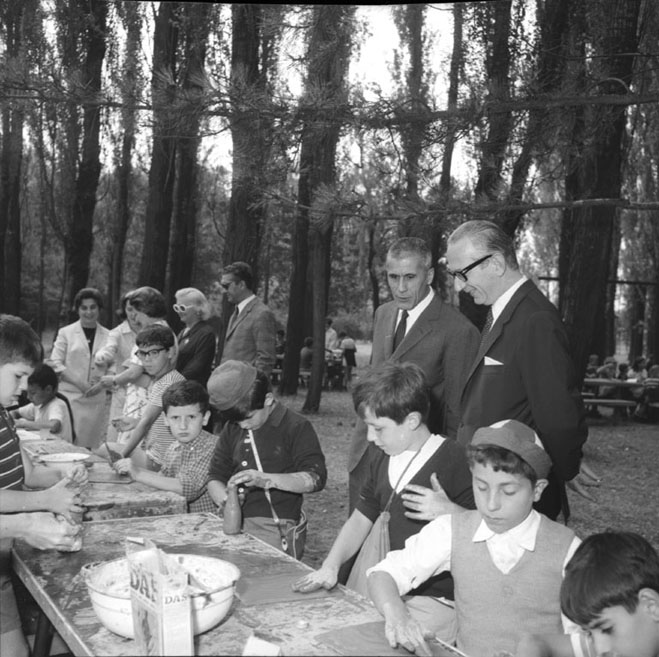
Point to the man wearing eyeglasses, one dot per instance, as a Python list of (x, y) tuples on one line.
[(251, 329), (523, 370), (417, 327)]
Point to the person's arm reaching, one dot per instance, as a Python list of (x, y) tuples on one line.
[(350, 539)]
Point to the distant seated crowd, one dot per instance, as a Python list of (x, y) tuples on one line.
[(444, 536), (642, 371)]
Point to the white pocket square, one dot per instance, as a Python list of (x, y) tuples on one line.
[(491, 361)]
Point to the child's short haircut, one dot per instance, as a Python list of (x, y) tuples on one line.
[(43, 375), (18, 342), (185, 393), (500, 459), (156, 335), (392, 390), (607, 570)]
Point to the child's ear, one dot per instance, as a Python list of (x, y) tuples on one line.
[(540, 486), (413, 420), (207, 415), (648, 600), (166, 420), (269, 399)]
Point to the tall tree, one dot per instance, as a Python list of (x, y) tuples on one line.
[(16, 18), (129, 84), (597, 172), (162, 173), (495, 17), (322, 106), (196, 24)]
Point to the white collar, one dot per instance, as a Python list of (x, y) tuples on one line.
[(524, 534), (244, 302), (399, 462), (502, 301), (413, 315)]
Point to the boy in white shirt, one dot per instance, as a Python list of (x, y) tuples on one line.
[(46, 411), (506, 559)]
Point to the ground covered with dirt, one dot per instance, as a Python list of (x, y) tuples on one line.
[(623, 453)]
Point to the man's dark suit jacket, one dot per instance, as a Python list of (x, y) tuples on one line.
[(524, 372), (443, 342)]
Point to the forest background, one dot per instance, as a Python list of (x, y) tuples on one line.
[(147, 143)]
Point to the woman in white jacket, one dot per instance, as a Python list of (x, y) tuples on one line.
[(72, 358)]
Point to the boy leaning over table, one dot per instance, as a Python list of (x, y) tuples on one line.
[(30, 515), (506, 559), (611, 589), (185, 468)]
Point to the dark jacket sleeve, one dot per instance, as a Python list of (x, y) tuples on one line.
[(198, 365), (553, 395)]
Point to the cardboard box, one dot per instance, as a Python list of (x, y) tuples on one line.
[(162, 613)]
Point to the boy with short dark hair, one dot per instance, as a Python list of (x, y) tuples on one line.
[(406, 457), (45, 410), (506, 559), (156, 348), (268, 452), (20, 351), (185, 466), (610, 589)]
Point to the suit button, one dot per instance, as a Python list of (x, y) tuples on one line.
[(244, 463)]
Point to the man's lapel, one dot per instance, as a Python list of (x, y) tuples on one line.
[(498, 326), (419, 329)]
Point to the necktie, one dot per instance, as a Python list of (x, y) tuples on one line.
[(400, 330), (488, 325), (233, 319)]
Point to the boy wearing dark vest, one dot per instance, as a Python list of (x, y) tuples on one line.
[(507, 560)]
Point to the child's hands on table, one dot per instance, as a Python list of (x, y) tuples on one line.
[(64, 500), (44, 531), (125, 467), (325, 577), (405, 631), (77, 476)]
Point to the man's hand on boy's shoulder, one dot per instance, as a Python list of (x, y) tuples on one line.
[(424, 503)]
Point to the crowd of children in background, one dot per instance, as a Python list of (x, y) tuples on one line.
[(472, 564)]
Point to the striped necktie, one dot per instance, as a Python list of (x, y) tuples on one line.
[(400, 330), (487, 326)]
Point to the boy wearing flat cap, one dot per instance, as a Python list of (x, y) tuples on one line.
[(270, 453), (507, 560)]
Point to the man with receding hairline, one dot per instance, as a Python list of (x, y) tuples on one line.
[(418, 327), (523, 369)]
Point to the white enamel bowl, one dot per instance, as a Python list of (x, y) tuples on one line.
[(64, 461), (108, 584)]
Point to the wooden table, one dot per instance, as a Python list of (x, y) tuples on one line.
[(112, 500), (53, 579), (617, 383)]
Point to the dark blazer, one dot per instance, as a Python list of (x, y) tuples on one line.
[(443, 342), (196, 352), (534, 381), (252, 337)]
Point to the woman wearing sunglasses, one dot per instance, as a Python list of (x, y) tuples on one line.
[(197, 341)]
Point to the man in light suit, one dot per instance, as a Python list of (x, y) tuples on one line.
[(433, 334), (523, 370), (251, 328)]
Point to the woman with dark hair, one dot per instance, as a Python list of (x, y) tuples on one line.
[(147, 306), (72, 358), (197, 341)]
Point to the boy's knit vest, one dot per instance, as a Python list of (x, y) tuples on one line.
[(494, 609)]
